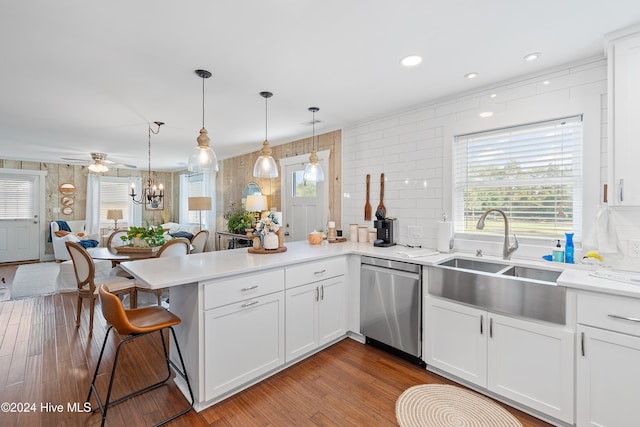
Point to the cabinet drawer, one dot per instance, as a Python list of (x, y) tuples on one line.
[(222, 292), (611, 312), (313, 271)]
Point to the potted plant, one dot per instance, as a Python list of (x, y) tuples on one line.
[(146, 236), (238, 220)]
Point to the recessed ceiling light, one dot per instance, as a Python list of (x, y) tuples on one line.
[(493, 95), (546, 82), (486, 114), (471, 75), (411, 60), (532, 56)]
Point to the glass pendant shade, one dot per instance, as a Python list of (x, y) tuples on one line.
[(202, 158), (98, 168), (265, 166)]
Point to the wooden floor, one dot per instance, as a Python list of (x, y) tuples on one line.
[(44, 360)]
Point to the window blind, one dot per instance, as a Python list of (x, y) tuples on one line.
[(532, 172), (114, 195), (17, 199), (195, 189)]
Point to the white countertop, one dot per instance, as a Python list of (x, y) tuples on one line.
[(172, 271)]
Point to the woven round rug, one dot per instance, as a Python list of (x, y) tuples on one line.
[(440, 405)]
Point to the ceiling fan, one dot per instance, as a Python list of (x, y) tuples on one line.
[(100, 164)]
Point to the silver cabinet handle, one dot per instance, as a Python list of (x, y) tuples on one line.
[(621, 190), (317, 293), (249, 304), (322, 292), (582, 343), (481, 324), (250, 288), (630, 319), (320, 272), (491, 328)]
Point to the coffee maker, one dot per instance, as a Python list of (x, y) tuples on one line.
[(387, 232)]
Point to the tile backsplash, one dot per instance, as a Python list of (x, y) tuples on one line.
[(413, 149)]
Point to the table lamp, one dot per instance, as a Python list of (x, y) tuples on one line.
[(200, 204), (115, 215), (256, 203)]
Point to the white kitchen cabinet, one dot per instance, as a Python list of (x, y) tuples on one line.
[(528, 362), (244, 338), (316, 315), (624, 110), (315, 305), (608, 360)]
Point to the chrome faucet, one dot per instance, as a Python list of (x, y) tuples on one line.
[(507, 249)]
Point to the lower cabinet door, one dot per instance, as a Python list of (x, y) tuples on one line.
[(532, 364), (455, 339), (242, 341), (608, 370), (332, 316), (302, 318)]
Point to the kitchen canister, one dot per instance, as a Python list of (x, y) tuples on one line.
[(373, 235), (363, 234), (353, 232)]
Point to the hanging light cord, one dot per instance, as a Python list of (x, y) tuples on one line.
[(149, 181), (313, 125), (266, 118), (203, 102)]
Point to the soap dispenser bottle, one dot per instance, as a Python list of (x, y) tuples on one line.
[(569, 248), (558, 253)]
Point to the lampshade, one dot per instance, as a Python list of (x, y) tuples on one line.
[(199, 203), (114, 214), (256, 203)]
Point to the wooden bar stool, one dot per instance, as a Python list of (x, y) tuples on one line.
[(132, 324)]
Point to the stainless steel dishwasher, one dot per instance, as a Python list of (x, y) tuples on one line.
[(391, 306)]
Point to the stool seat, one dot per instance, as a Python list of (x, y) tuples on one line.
[(132, 324)]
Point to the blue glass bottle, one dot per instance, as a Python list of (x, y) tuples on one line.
[(569, 248)]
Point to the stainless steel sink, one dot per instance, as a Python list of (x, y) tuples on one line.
[(476, 265), (550, 276), (502, 288)]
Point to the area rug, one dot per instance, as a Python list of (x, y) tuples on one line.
[(441, 405), (35, 279)]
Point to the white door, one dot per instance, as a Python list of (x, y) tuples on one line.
[(20, 206), (304, 204)]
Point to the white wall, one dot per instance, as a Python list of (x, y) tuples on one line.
[(413, 149)]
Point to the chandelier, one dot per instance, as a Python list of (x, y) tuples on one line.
[(152, 194)]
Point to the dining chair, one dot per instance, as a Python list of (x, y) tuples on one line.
[(85, 272), (174, 247), (113, 242), (199, 242), (132, 324)]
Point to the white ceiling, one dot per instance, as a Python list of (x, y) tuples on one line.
[(78, 76)]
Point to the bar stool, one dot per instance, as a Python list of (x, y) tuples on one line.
[(132, 324)]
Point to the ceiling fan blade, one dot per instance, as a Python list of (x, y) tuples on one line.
[(76, 160), (119, 165)]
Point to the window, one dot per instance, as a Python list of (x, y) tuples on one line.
[(532, 172), (302, 188), (195, 188), (17, 196), (114, 195)]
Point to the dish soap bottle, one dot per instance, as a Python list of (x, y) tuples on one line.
[(558, 253), (569, 248)]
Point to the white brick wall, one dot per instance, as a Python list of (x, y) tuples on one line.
[(413, 147)]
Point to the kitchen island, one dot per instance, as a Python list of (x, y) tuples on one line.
[(247, 316)]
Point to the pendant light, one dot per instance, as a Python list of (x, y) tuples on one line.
[(265, 166), (153, 193), (313, 171), (203, 159)]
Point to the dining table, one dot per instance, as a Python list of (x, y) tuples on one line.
[(117, 257)]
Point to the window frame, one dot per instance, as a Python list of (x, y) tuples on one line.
[(459, 186)]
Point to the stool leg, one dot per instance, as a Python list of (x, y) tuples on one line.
[(93, 309), (92, 389)]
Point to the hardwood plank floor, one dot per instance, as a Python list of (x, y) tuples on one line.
[(45, 359)]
